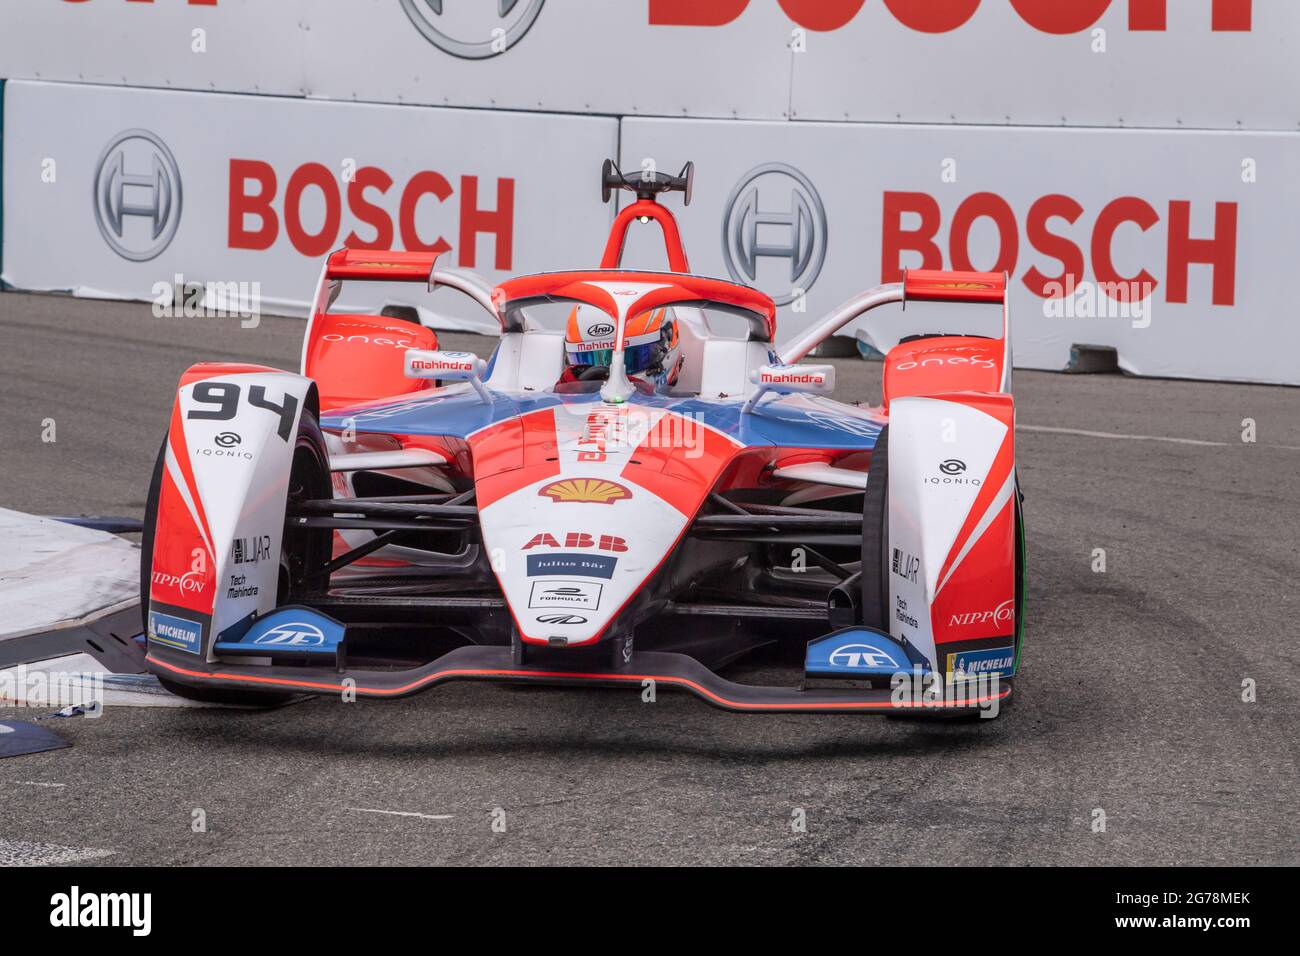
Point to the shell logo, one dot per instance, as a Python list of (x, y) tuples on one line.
[(591, 490)]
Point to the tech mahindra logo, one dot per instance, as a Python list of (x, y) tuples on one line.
[(137, 195), (928, 16), (473, 29), (780, 199)]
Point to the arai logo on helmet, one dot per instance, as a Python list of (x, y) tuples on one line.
[(861, 657), (295, 634), (599, 329), (473, 29)]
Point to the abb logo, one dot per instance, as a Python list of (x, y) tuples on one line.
[(1182, 250), (941, 16), (578, 539), (254, 223)]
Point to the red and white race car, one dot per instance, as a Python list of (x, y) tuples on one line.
[(637, 488)]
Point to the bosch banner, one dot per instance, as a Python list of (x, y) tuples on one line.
[(1222, 64), (137, 191), (1173, 257)]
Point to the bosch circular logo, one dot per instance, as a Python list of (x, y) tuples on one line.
[(781, 204), (227, 440), (137, 195), (953, 466), (473, 29)]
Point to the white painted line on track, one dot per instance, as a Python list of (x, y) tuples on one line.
[(18, 853), (1088, 434), (405, 813), (37, 783)]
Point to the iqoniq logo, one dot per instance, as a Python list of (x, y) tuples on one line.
[(470, 29), (776, 197), (137, 195)]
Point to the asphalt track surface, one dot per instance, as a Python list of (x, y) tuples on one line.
[(1129, 701)]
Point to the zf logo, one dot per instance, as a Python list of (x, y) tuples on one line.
[(293, 635), (905, 565)]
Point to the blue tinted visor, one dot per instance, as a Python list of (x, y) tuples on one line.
[(636, 358)]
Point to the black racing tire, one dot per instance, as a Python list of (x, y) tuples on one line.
[(302, 550), (146, 534), (875, 537)]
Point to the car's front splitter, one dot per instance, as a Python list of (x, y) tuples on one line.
[(496, 663)]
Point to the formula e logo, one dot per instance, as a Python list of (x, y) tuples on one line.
[(775, 199), (861, 657), (139, 224), (293, 635), (953, 466), (227, 440), (470, 29), (561, 619)]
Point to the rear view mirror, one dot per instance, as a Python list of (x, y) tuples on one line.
[(788, 379), (448, 367)]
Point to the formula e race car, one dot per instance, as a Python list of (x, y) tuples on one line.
[(637, 488)]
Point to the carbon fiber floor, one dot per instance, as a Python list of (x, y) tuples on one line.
[(1129, 705)]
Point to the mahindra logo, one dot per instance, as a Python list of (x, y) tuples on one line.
[(953, 466), (775, 199), (561, 619), (472, 29), (137, 195)]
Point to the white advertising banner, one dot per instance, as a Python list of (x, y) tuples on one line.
[(109, 191), (1222, 64), (1173, 247)]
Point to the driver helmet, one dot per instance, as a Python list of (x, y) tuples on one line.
[(650, 345)]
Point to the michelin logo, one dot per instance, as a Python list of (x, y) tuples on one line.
[(175, 632), (999, 661)]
